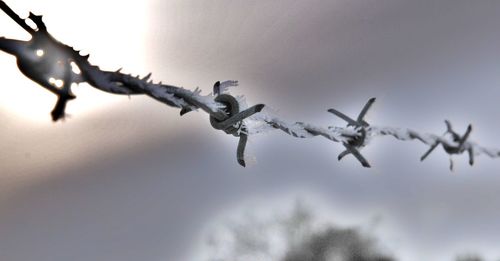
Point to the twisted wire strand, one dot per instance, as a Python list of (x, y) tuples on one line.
[(117, 82), (429, 139)]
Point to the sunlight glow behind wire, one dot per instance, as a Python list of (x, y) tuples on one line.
[(110, 42)]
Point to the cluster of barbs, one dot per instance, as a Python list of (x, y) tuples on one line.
[(458, 145), (56, 67)]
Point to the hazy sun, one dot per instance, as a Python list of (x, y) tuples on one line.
[(92, 26)]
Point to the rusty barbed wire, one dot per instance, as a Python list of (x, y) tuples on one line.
[(50, 63)]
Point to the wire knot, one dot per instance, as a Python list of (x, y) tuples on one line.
[(233, 123)]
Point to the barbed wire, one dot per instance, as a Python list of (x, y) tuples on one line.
[(57, 66)]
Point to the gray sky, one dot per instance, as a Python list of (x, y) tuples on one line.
[(131, 180)]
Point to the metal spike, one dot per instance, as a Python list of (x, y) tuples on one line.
[(147, 77)]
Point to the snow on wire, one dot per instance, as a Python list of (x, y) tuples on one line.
[(43, 59)]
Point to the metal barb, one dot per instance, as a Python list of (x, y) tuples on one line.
[(355, 143), (461, 144), (228, 119), (233, 123)]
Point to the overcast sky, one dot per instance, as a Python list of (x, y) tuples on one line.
[(128, 179)]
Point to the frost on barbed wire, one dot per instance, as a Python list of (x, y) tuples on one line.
[(429, 139), (227, 113)]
